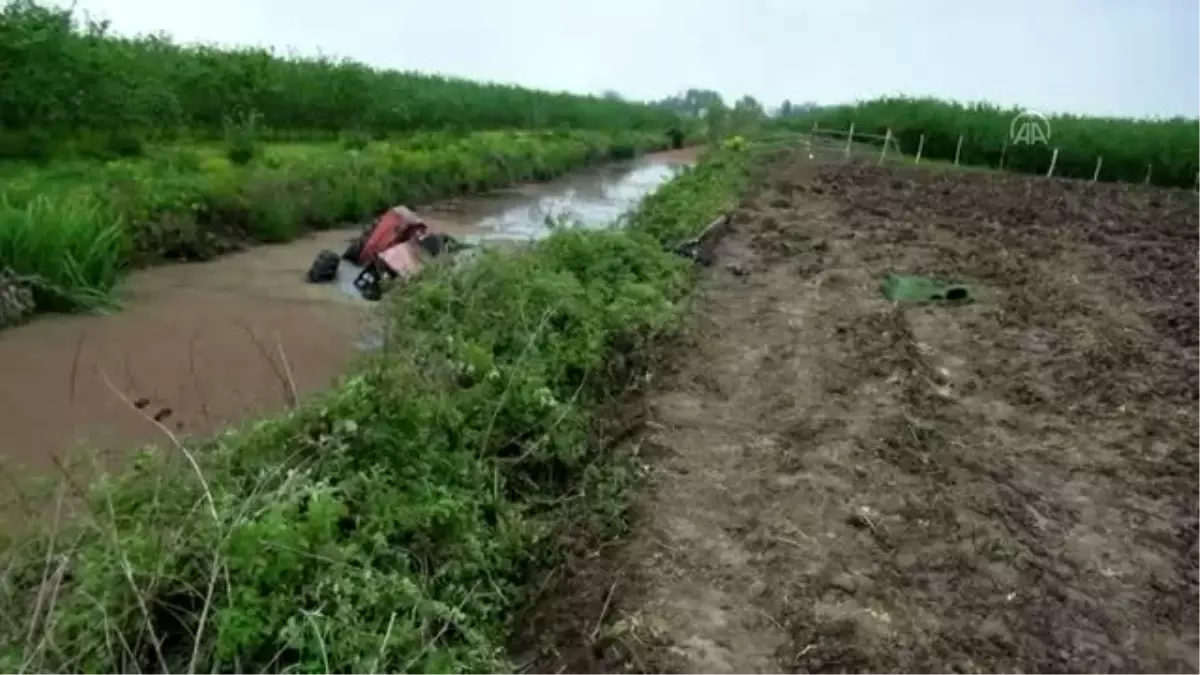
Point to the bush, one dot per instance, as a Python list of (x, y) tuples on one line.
[(676, 137), (126, 145), (622, 151), (35, 145), (393, 524), (105, 146), (241, 151)]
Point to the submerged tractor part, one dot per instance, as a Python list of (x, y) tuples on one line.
[(396, 225), (402, 260), (324, 268), (395, 248)]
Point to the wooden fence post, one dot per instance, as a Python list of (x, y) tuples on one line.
[(849, 140), (1003, 154), (1053, 161), (1149, 169), (958, 150), (1096, 173), (920, 149), (886, 140)]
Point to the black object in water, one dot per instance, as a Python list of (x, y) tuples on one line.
[(324, 268)]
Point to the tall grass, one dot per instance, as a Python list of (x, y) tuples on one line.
[(67, 86), (1169, 149), (74, 250), (395, 523)]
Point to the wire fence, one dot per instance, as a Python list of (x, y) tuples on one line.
[(889, 146)]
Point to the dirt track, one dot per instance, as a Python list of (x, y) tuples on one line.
[(842, 484)]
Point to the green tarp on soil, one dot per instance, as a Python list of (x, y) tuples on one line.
[(918, 289)]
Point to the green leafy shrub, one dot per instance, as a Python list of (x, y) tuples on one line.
[(622, 151), (125, 144), (242, 151), (35, 145)]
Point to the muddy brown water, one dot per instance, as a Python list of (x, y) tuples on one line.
[(206, 345)]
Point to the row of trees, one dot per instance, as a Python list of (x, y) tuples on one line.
[(1127, 150), (701, 103), (1162, 151), (62, 77), (720, 119)]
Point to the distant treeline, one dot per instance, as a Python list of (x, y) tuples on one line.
[(62, 78), (1166, 150)]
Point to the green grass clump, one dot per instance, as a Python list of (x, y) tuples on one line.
[(392, 524), (74, 250), (78, 225), (64, 78), (1129, 146)]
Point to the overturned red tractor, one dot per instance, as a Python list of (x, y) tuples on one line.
[(393, 246)]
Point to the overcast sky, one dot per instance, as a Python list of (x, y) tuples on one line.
[(1108, 57)]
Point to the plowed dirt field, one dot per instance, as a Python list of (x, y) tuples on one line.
[(842, 483)]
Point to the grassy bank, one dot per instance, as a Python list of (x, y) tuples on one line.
[(76, 226), (69, 86), (391, 524), (1167, 148)]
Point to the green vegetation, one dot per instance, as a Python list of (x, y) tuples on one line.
[(121, 151), (76, 89), (746, 115), (76, 225), (1129, 147), (393, 523)]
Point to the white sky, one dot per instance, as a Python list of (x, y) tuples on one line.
[(1107, 57)]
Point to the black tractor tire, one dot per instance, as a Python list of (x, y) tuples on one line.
[(324, 268), (354, 249)]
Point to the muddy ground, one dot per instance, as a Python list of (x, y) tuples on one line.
[(841, 484)]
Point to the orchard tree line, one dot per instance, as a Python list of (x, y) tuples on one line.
[(745, 113), (66, 78), (702, 103)]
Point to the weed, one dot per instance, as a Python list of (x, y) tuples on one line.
[(73, 250)]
